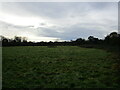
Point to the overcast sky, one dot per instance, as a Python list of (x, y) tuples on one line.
[(53, 21)]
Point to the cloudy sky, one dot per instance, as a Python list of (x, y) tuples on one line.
[(51, 21)]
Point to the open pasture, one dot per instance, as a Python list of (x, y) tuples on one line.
[(58, 67)]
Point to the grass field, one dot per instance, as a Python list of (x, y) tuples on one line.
[(60, 67)]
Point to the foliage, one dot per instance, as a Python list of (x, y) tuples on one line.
[(111, 39)]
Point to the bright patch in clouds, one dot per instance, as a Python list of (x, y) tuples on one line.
[(21, 21), (40, 21)]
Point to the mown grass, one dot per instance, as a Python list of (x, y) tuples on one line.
[(60, 67)]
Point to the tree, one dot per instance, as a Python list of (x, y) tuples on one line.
[(113, 35), (18, 39), (92, 39), (80, 41), (4, 39), (24, 39), (113, 39)]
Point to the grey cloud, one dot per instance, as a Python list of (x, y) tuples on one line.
[(72, 32), (54, 9), (70, 20), (13, 30)]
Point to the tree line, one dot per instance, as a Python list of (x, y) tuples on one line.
[(111, 39)]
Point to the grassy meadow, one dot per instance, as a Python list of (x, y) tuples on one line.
[(58, 67)]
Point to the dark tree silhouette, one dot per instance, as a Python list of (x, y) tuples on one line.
[(80, 41), (18, 39), (111, 39), (93, 40)]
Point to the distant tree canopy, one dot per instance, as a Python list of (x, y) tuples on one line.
[(92, 39), (111, 39), (20, 39), (80, 41), (17, 40)]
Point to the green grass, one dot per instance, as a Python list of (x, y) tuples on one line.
[(60, 67)]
